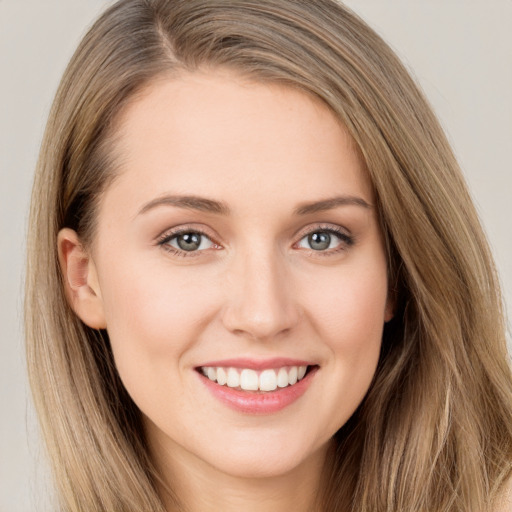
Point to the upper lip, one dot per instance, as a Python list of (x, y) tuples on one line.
[(256, 364)]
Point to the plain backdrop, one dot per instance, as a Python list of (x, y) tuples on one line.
[(460, 51)]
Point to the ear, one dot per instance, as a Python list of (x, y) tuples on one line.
[(80, 279), (389, 312)]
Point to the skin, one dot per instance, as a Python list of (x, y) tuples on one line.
[(256, 288)]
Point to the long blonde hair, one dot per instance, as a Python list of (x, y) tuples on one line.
[(434, 432)]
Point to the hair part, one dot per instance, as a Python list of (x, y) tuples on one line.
[(435, 430)]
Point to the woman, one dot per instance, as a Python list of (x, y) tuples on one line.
[(256, 279)]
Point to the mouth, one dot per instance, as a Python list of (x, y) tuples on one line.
[(257, 388), (248, 379)]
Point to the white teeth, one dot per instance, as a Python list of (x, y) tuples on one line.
[(233, 378), (248, 380), (212, 373), (222, 378), (282, 378), (251, 380), (268, 380), (292, 375)]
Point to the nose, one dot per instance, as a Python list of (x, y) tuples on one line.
[(260, 303)]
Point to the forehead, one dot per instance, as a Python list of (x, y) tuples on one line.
[(212, 131)]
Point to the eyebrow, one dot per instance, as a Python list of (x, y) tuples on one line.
[(331, 203), (189, 202), (211, 206)]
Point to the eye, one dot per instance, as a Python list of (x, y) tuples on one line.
[(188, 241), (324, 240)]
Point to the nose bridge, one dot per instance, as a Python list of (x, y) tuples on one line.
[(259, 302)]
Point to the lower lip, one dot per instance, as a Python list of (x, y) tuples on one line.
[(252, 402)]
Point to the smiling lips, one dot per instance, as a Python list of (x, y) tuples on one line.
[(248, 379), (257, 388)]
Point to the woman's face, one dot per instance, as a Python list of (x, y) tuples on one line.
[(240, 241)]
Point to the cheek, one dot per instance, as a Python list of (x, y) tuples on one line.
[(348, 314), (350, 323), (153, 318), (151, 305), (349, 306)]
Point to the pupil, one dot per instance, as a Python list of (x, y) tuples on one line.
[(189, 241), (319, 241)]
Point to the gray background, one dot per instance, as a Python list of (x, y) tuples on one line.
[(460, 51)]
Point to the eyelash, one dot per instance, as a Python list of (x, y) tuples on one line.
[(163, 241), (346, 241)]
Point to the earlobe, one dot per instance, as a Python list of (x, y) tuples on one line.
[(80, 279), (389, 312)]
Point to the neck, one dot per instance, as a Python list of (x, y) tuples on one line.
[(201, 487)]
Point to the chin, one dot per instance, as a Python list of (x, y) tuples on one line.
[(271, 459)]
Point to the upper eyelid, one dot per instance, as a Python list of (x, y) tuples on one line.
[(323, 226), (170, 233), (164, 239)]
